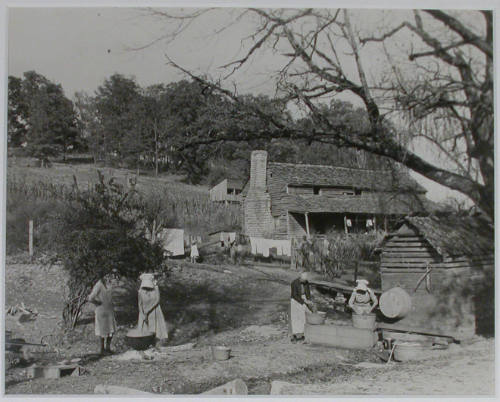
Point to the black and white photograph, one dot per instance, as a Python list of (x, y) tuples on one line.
[(242, 199)]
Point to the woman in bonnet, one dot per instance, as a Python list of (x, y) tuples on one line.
[(151, 318)]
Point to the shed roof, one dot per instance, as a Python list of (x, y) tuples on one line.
[(235, 183), (452, 235)]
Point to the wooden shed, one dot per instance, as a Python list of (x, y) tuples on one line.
[(434, 259), (227, 191)]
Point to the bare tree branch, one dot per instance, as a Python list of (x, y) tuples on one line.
[(463, 31)]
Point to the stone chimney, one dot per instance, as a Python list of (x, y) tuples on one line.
[(258, 166), (257, 218)]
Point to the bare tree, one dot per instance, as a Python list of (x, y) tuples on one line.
[(436, 86)]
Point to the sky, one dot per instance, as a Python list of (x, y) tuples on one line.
[(81, 47)]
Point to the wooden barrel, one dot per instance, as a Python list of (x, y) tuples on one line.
[(395, 303)]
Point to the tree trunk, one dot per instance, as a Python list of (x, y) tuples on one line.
[(156, 154)]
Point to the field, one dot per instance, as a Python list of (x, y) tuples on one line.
[(23, 169), (33, 191)]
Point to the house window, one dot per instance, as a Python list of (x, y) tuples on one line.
[(316, 190), (357, 191)]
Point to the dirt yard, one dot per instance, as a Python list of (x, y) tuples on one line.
[(240, 307)]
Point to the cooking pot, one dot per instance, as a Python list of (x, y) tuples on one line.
[(139, 340)]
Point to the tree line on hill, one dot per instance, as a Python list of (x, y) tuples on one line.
[(124, 124)]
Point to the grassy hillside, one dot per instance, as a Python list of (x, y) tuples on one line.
[(33, 193)]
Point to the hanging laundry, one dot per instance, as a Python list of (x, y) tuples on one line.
[(173, 241), (253, 244)]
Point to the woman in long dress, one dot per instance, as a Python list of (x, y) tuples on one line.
[(151, 317), (300, 304), (105, 324)]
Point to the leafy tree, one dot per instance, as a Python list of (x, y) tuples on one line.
[(116, 103), (89, 124), (435, 86), (41, 114), (154, 124), (192, 114), (17, 113)]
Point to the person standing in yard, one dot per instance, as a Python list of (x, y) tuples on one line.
[(300, 304), (151, 317), (194, 252), (105, 324), (363, 299)]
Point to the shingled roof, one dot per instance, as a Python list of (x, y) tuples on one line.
[(452, 235), (324, 175), (391, 192), (235, 183)]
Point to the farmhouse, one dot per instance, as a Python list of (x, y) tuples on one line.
[(433, 259), (227, 191), (283, 200)]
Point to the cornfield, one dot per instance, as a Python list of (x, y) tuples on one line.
[(167, 203)]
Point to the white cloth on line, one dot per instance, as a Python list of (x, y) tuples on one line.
[(253, 245), (261, 246), (173, 240)]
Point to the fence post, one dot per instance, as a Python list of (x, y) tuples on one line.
[(356, 270), (30, 235)]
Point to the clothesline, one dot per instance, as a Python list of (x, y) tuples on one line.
[(262, 246)]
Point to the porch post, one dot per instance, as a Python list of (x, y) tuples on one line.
[(307, 224), (345, 224), (375, 223)]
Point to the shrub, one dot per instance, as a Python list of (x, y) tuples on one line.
[(97, 235), (343, 253)]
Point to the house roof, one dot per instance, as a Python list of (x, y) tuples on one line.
[(452, 235), (235, 183), (391, 192), (323, 175)]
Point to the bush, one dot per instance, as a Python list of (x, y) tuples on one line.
[(343, 253), (98, 235)]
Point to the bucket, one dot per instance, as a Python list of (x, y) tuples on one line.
[(139, 340), (395, 303), (317, 318), (405, 351), (363, 321), (220, 352)]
